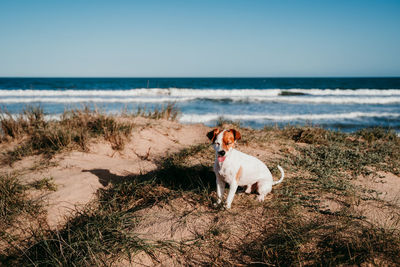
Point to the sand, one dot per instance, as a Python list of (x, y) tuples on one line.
[(79, 175)]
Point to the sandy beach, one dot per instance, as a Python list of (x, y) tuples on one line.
[(162, 179)]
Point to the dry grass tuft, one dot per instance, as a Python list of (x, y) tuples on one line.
[(46, 183), (74, 130), (169, 112), (14, 200), (291, 228)]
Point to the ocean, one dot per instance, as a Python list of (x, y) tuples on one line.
[(346, 104)]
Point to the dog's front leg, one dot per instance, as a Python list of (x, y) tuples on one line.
[(232, 190), (220, 189)]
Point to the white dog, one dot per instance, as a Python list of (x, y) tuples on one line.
[(238, 169)]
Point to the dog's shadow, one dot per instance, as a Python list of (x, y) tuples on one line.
[(195, 175), (172, 176), (106, 177)]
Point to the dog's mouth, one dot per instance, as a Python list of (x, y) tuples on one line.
[(221, 158)]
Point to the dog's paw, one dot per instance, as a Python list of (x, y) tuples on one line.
[(217, 204), (260, 198), (227, 206)]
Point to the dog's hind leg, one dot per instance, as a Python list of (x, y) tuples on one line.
[(264, 187), (248, 189), (251, 188)]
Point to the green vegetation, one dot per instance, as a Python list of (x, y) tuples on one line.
[(73, 130), (306, 232), (169, 112), (14, 201), (46, 183), (293, 227), (94, 237), (19, 211), (103, 232)]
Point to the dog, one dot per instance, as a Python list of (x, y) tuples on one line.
[(238, 169)]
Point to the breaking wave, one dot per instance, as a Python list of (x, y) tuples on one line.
[(163, 99), (204, 118), (159, 95), (199, 93)]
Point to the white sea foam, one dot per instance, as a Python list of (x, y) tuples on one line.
[(326, 100), (91, 99), (159, 95), (47, 117), (76, 93), (161, 99), (347, 92), (197, 118), (198, 93), (204, 118)]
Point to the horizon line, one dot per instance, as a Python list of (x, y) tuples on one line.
[(190, 77)]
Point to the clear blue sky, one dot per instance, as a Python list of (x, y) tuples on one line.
[(199, 38)]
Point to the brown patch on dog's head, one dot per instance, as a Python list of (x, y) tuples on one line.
[(228, 140), (213, 134), (236, 134)]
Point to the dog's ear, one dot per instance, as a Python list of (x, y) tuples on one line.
[(236, 134), (211, 135)]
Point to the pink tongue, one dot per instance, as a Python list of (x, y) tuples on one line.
[(221, 159)]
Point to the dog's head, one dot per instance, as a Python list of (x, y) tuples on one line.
[(223, 141)]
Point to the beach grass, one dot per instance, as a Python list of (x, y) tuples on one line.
[(46, 183), (297, 228), (20, 212), (95, 236), (168, 112), (305, 231), (14, 200), (73, 130)]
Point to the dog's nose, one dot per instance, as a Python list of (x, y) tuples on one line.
[(222, 152)]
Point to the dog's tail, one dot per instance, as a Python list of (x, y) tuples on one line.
[(282, 176)]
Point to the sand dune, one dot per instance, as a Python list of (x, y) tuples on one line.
[(80, 174)]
